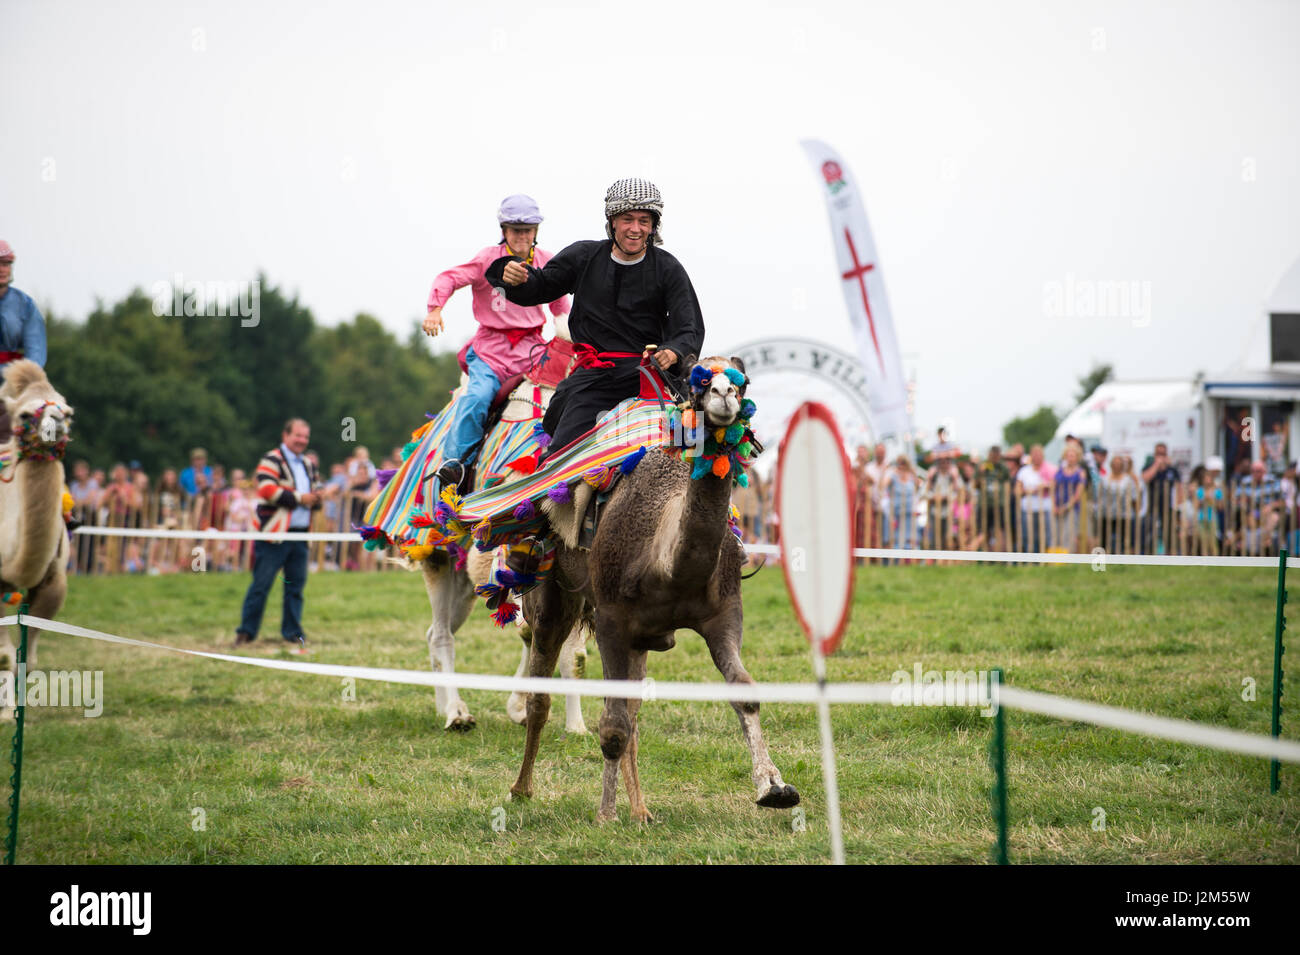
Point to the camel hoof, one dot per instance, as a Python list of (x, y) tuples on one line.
[(577, 729), (604, 818), (460, 724), (779, 797), (642, 816), (518, 795), (517, 708)]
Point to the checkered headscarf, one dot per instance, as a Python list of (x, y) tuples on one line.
[(634, 195)]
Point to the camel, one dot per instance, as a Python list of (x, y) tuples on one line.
[(662, 558), (452, 597), (33, 538)]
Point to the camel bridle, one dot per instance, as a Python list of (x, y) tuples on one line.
[(31, 444)]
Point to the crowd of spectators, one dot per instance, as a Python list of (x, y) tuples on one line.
[(1020, 501), (205, 496), (1004, 500)]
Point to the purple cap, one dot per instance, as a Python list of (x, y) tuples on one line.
[(519, 209)]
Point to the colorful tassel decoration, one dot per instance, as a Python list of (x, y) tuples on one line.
[(735, 433), (384, 475), (632, 460), (700, 378), (505, 613), (540, 436), (525, 511), (742, 479), (594, 476), (418, 552), (560, 494), (721, 465), (409, 448), (700, 468), (457, 554), (419, 521), (524, 465), (736, 377)]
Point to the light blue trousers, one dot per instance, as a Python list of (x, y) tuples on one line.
[(466, 432)]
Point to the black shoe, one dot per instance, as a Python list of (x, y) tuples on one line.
[(454, 474), (526, 556), (243, 639)]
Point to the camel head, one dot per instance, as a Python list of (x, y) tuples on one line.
[(717, 389), (40, 418)]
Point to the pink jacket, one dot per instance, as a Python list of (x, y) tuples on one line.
[(498, 326)]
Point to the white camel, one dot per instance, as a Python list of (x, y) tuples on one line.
[(33, 536), (452, 597)]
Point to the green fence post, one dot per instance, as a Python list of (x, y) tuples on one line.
[(16, 755), (998, 760), (1275, 767)]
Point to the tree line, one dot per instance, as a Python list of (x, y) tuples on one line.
[(150, 387)]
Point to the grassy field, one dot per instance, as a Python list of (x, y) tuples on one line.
[(279, 768)]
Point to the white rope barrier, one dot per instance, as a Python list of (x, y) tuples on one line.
[(160, 532), (1129, 721), (996, 557), (1014, 557)]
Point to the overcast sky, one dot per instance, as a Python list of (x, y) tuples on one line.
[(352, 151)]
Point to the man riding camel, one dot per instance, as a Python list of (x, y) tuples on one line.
[(22, 327), (630, 299), (627, 294), (506, 337)]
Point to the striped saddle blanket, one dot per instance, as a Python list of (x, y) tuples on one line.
[(505, 507)]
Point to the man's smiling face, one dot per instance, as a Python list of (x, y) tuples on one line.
[(632, 231)]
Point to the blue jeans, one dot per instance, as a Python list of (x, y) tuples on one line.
[(268, 559), (466, 430)]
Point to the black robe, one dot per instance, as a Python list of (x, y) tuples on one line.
[(616, 308)]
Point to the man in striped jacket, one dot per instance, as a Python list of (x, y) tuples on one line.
[(288, 491)]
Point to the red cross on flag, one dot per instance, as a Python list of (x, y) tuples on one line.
[(864, 293)]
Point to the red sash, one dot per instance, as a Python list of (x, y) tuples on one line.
[(8, 356), (588, 357)]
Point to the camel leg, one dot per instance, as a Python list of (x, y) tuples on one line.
[(517, 705), (722, 634), (631, 778), (573, 664), (615, 722), (450, 598), (608, 791), (552, 612), (8, 675), (46, 600)]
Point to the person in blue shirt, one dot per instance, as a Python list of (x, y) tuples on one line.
[(198, 476), (22, 326)]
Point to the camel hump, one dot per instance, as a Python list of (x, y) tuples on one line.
[(20, 375)]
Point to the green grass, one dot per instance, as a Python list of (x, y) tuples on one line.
[(286, 771)]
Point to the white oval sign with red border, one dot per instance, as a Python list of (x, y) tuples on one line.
[(814, 504)]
